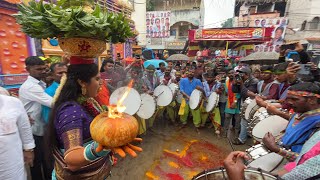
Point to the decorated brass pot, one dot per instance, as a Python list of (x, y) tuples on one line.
[(84, 47)]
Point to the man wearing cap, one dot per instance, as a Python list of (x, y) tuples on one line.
[(246, 85), (150, 79)]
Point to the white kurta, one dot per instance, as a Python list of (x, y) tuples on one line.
[(15, 135)]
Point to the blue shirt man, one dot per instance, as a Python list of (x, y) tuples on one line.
[(57, 70), (187, 85)]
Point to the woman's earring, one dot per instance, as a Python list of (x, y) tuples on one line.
[(84, 91)]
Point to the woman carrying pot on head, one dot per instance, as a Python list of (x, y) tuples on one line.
[(75, 153)]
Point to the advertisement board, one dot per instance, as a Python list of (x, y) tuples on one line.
[(158, 24)]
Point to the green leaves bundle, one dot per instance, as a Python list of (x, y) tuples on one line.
[(40, 20)]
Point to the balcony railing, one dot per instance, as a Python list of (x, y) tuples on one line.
[(113, 7)]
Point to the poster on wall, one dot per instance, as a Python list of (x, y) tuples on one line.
[(279, 25), (158, 24)]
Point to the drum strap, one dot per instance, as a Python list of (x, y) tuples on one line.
[(314, 130)]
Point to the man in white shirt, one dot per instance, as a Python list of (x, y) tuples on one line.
[(16, 139), (32, 95)]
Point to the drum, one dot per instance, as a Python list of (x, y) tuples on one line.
[(249, 108), (258, 116), (273, 124), (262, 158), (213, 102), (148, 106), (132, 102), (260, 110), (221, 174), (195, 99), (163, 95)]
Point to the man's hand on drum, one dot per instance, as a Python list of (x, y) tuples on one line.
[(186, 96), (234, 165), (199, 88), (272, 109), (270, 142), (121, 151), (261, 102)]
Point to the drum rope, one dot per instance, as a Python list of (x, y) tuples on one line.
[(261, 174), (224, 176)]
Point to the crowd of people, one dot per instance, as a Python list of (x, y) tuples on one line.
[(57, 113)]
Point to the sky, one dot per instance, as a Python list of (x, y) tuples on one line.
[(217, 11)]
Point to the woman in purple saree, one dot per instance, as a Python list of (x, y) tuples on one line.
[(69, 136)]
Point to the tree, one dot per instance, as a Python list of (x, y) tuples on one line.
[(150, 5), (228, 23)]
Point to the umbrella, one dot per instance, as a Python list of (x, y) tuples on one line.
[(154, 62), (178, 57), (261, 58)]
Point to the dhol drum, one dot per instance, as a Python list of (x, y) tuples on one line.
[(195, 99), (221, 174), (148, 106), (163, 95), (262, 158), (213, 102), (132, 102), (260, 110), (272, 123), (260, 114), (249, 107)]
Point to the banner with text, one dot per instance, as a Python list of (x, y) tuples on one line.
[(230, 34)]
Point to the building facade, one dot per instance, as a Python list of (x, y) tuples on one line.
[(304, 19), (184, 15)]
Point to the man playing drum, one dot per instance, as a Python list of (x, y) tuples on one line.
[(285, 76), (187, 85), (304, 99), (139, 85), (210, 86), (167, 79), (150, 79), (268, 88)]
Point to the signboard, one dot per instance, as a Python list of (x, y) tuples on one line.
[(158, 24), (175, 45), (230, 34), (279, 25)]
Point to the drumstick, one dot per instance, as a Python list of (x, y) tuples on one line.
[(159, 94), (231, 144)]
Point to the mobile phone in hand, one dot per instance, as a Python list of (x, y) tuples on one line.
[(305, 69)]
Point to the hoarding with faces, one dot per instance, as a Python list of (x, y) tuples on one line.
[(158, 24)]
